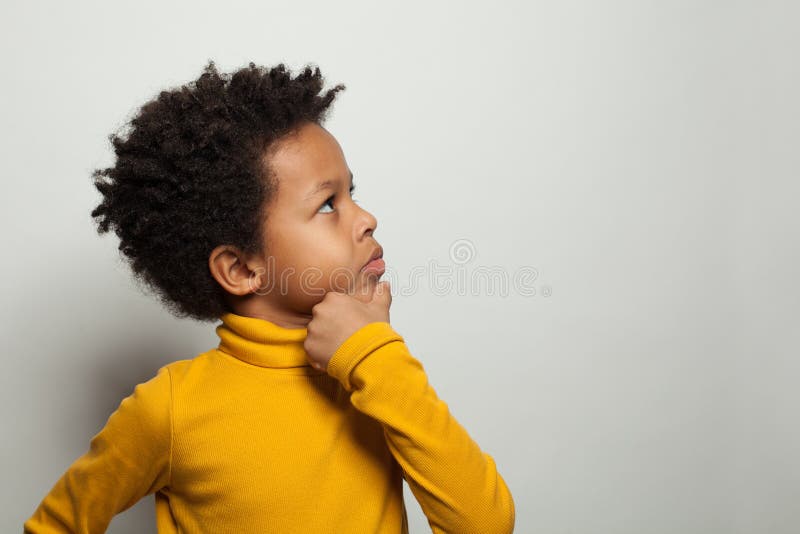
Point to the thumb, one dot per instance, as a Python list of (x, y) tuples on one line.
[(383, 294)]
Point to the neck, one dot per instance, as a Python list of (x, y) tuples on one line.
[(261, 308)]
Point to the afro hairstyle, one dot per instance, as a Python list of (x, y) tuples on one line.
[(190, 175)]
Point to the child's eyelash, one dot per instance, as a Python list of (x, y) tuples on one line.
[(332, 197)]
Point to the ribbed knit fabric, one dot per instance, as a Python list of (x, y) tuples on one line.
[(249, 438)]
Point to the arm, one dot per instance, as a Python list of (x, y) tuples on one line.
[(128, 459), (456, 484)]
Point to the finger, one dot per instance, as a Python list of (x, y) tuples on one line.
[(383, 293)]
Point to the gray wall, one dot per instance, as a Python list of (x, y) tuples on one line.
[(641, 157)]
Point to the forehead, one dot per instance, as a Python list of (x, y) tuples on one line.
[(302, 160)]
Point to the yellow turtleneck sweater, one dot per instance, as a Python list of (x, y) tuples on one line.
[(249, 438)]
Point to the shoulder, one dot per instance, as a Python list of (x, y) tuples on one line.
[(161, 384), (181, 373)]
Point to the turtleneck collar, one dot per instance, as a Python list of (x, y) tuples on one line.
[(263, 343)]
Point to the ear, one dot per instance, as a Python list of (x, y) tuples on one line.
[(230, 268)]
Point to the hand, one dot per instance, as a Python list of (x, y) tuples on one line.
[(338, 316)]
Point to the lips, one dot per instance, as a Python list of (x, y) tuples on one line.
[(375, 262)]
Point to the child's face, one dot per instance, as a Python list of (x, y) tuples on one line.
[(315, 240)]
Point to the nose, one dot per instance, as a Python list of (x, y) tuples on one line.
[(365, 223)]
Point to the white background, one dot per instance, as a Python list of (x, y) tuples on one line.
[(642, 156)]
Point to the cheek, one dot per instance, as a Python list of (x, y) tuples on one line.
[(315, 246), (330, 266)]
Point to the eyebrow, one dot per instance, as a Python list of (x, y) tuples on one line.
[(327, 184)]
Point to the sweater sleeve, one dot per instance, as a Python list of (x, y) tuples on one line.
[(456, 484), (128, 459)]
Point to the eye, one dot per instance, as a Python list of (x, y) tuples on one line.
[(329, 201)]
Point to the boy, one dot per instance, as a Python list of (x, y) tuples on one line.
[(233, 203)]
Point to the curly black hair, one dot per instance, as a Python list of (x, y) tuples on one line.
[(190, 175)]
